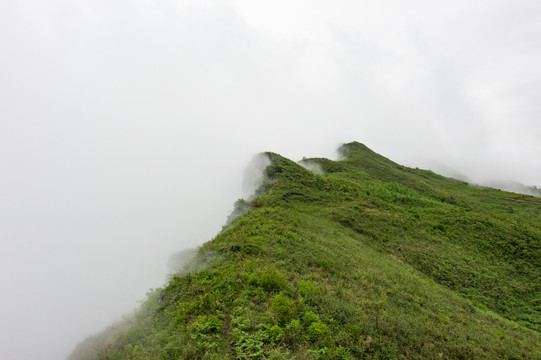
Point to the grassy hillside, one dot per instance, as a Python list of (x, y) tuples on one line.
[(357, 259)]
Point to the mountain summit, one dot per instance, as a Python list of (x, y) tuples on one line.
[(359, 258)]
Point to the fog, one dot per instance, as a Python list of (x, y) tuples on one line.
[(126, 127)]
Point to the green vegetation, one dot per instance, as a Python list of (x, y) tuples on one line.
[(365, 260)]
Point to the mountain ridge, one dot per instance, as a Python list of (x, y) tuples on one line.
[(363, 258)]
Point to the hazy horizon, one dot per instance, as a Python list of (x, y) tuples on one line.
[(126, 127)]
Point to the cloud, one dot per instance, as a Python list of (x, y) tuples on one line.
[(313, 166)]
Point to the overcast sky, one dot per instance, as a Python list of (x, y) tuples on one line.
[(126, 126)]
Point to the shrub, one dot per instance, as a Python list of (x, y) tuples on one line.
[(353, 330), (249, 345), (317, 331), (207, 325), (293, 331), (171, 351), (342, 353), (309, 318), (306, 288), (283, 308), (274, 333), (272, 280)]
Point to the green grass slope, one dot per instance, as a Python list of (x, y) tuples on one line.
[(365, 259)]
